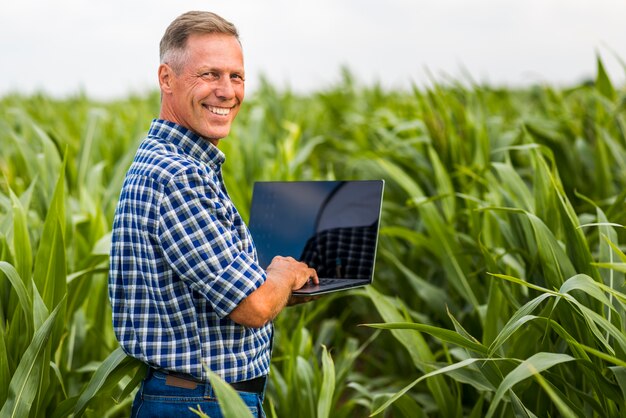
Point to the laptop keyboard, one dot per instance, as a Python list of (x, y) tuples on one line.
[(331, 281), (326, 282)]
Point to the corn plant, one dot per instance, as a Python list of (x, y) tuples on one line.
[(499, 286), (55, 319), (537, 265)]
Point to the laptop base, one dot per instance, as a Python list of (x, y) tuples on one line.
[(333, 286)]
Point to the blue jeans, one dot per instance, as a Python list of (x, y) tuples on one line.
[(157, 399)]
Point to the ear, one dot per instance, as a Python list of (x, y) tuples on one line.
[(166, 75)]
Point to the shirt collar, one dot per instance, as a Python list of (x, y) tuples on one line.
[(188, 141)]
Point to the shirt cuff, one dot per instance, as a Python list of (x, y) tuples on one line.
[(235, 283)]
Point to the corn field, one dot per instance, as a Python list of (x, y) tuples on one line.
[(500, 280)]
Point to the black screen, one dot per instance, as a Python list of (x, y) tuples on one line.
[(330, 225)]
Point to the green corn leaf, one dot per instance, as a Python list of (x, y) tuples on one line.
[(620, 376), (114, 186), (102, 246), (604, 356), (477, 410), (51, 163), (21, 241), (529, 367), (497, 308), (325, 401), (134, 382), (519, 409), (591, 318), (23, 295), (24, 153), (603, 82), (580, 352), (444, 185), (407, 234), (616, 249), (281, 387), (5, 372), (477, 376), (65, 408), (513, 186), (304, 152), (441, 333), (608, 251), (555, 262), (489, 374), (40, 310), (50, 264), (595, 322), (231, 404), (524, 283), (458, 327), (26, 379), (417, 347), (50, 271), (575, 242), (586, 284), (435, 297), (507, 332), (621, 267), (87, 144), (413, 342), (107, 374), (305, 379), (407, 407), (443, 370), (444, 242)]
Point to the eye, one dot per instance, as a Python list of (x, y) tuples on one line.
[(210, 75), (237, 77)]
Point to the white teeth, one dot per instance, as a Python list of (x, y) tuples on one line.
[(219, 110)]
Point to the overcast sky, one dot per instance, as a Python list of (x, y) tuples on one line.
[(109, 48)]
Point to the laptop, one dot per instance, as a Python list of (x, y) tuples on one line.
[(330, 225)]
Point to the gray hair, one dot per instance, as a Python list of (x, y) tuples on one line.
[(172, 49)]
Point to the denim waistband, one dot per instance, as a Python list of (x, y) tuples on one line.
[(256, 385)]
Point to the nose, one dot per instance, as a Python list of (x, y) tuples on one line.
[(225, 88)]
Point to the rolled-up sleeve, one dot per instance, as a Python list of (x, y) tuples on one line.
[(203, 246)]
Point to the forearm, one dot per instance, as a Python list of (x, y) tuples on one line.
[(283, 275), (264, 304)]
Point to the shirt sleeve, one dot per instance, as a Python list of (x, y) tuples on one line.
[(201, 244)]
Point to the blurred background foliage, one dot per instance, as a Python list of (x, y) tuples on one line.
[(499, 287)]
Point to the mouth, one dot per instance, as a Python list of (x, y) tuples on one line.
[(222, 111)]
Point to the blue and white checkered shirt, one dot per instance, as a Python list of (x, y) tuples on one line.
[(181, 260)]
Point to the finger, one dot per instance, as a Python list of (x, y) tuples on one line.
[(313, 276), (276, 260)]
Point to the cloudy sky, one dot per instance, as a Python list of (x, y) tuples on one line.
[(110, 48)]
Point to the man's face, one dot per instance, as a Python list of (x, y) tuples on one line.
[(207, 94)]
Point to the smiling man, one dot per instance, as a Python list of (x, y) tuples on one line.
[(202, 85), (185, 285)]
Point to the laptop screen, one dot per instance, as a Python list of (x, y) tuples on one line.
[(330, 225)]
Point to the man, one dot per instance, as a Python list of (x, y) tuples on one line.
[(185, 285)]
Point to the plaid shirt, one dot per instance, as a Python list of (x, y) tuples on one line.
[(181, 260)]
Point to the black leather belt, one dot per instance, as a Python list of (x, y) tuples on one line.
[(256, 385)]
